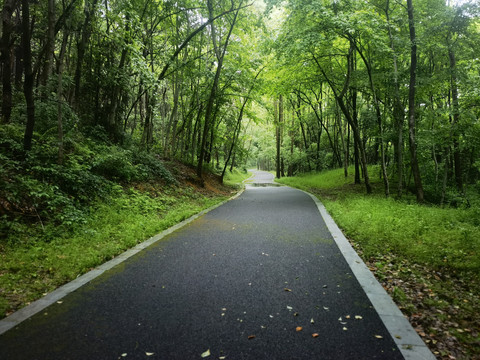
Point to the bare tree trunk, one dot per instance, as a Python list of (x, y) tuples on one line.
[(59, 98), (277, 139), (49, 47), (339, 96), (344, 163), (398, 112), (412, 106), (7, 60), (379, 122), (213, 91), (457, 158), (82, 45), (28, 82)]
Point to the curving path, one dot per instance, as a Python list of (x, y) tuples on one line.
[(255, 278)]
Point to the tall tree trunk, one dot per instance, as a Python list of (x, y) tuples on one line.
[(412, 106), (344, 163), (280, 124), (277, 139), (378, 114), (339, 96), (172, 122), (457, 158), (7, 59), (213, 91), (28, 82), (89, 10), (398, 111), (59, 98), (49, 48)]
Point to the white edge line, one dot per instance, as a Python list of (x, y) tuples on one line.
[(23, 314), (408, 341)]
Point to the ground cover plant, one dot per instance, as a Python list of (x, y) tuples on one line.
[(425, 256), (58, 222)]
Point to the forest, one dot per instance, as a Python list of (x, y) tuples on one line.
[(295, 86), (102, 99)]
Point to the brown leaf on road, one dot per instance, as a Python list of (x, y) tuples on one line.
[(250, 337), (299, 328), (315, 335)]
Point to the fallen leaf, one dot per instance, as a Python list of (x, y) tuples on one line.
[(149, 353), (205, 354), (124, 355), (250, 337), (222, 357), (358, 317), (311, 321), (296, 314), (287, 289), (379, 336), (289, 307), (299, 328), (347, 317), (59, 302), (315, 335), (326, 308), (344, 328)]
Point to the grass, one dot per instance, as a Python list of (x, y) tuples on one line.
[(438, 237), (425, 256), (235, 177), (30, 269)]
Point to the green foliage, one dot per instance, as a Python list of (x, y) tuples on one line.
[(150, 167), (324, 180), (236, 176), (39, 195), (115, 164), (438, 237)]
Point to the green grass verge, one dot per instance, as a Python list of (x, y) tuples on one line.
[(235, 177), (431, 235), (33, 267)]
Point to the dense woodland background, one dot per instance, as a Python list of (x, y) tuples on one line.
[(105, 90)]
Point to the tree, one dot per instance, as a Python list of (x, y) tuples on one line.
[(412, 105)]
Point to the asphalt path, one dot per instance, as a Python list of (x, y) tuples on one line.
[(259, 277)]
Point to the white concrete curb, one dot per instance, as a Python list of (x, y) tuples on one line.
[(23, 314), (408, 341)]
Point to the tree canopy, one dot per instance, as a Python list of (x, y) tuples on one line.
[(296, 85)]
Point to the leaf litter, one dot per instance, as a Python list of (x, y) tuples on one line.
[(442, 304)]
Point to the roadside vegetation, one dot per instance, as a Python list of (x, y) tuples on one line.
[(60, 222), (425, 256)]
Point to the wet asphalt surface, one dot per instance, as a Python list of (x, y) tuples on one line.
[(234, 284)]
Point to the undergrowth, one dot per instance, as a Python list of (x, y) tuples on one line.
[(236, 176), (59, 221)]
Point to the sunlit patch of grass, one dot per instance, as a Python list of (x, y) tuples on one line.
[(31, 269), (324, 180), (439, 237), (235, 177)]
